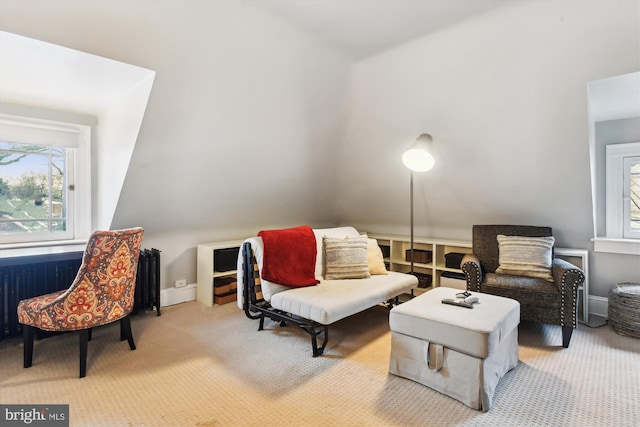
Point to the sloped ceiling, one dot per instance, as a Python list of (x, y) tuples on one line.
[(209, 31), (45, 75), (615, 97), (364, 28)]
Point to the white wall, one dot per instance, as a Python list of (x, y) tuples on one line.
[(241, 124), (504, 96), (249, 125), (118, 128)]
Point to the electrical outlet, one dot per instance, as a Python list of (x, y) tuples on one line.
[(181, 283)]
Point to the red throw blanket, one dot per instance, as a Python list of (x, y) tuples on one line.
[(289, 256)]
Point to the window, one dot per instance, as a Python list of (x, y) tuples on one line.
[(42, 168), (631, 197), (623, 190)]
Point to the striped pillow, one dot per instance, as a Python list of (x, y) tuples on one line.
[(525, 256), (345, 258)]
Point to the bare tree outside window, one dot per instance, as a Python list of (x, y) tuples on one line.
[(32, 188)]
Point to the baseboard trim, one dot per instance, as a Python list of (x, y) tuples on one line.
[(599, 306), (173, 295)]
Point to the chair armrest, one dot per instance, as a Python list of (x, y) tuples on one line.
[(567, 277), (472, 271)]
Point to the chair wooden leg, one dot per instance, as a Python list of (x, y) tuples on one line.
[(566, 335), (125, 332), (84, 342), (28, 334)]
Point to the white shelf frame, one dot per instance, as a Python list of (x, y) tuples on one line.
[(438, 247), (206, 269)]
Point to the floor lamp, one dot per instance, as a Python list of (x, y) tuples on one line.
[(417, 158)]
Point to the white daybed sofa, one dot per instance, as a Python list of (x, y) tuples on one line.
[(312, 308)]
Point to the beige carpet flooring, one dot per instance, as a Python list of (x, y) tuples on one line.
[(198, 366)]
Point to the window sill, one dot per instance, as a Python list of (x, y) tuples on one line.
[(616, 246), (60, 249)]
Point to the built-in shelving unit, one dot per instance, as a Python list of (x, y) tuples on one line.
[(217, 272), (395, 249), (216, 283)]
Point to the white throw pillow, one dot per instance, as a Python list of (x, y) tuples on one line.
[(346, 258), (525, 256)]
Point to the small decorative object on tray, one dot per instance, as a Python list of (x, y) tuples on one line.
[(462, 299)]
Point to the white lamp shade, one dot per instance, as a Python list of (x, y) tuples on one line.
[(418, 157)]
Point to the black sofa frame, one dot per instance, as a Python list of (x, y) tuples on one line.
[(255, 307)]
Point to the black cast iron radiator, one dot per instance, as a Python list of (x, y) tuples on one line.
[(27, 277), (148, 281)]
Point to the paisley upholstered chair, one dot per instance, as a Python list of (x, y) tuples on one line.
[(102, 292), (516, 261)]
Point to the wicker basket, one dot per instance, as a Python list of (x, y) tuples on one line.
[(420, 256), (624, 309), (424, 280)]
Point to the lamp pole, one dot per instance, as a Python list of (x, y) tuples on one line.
[(417, 158), (411, 220)]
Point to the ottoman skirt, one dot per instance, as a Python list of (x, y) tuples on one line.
[(466, 378)]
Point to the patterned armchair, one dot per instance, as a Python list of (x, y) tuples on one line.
[(102, 293), (551, 300)]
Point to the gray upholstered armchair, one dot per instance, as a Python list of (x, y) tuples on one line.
[(548, 299)]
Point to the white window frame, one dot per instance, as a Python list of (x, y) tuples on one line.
[(76, 138), (619, 158), (629, 162)]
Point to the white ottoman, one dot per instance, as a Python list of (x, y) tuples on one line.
[(457, 351)]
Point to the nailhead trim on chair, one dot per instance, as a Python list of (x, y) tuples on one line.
[(574, 299), (562, 323), (465, 269)]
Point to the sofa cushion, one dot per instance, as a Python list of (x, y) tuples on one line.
[(346, 258), (528, 290), (525, 256), (333, 300)]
